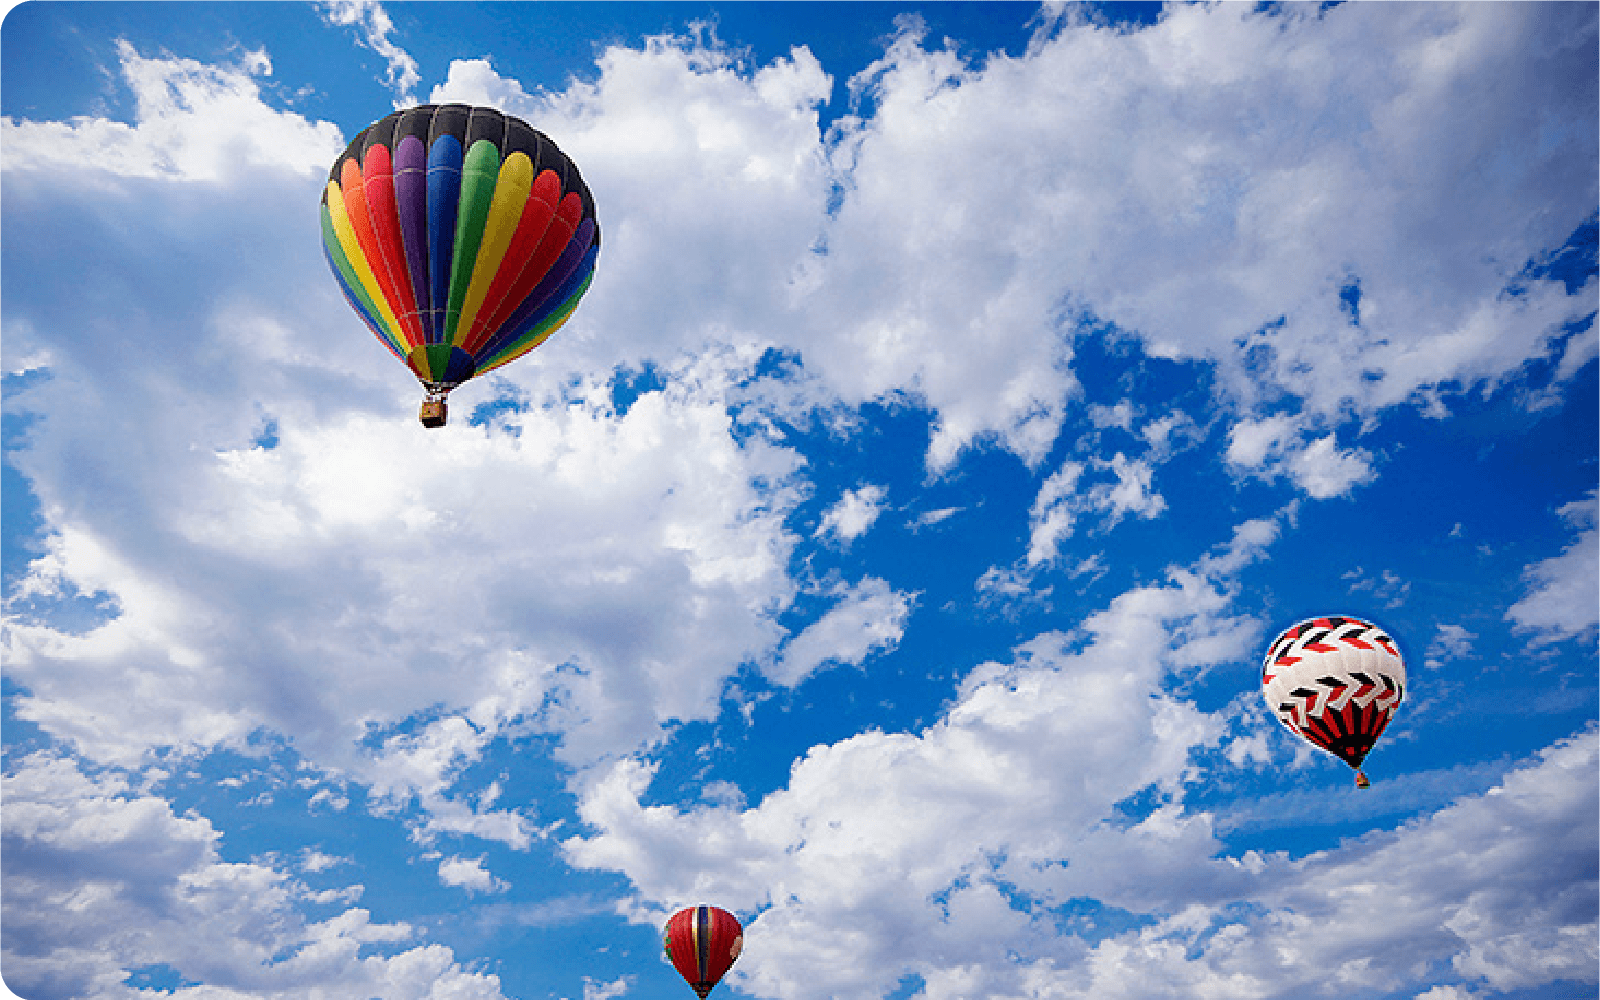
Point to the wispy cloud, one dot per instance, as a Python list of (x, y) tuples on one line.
[(1562, 599), (1451, 642), (375, 29)]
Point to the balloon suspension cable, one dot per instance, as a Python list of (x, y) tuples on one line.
[(434, 413), (1361, 780)]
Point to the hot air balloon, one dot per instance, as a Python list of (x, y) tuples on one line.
[(462, 236), (1335, 682), (702, 942)]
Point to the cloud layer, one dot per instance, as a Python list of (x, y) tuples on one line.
[(1334, 215)]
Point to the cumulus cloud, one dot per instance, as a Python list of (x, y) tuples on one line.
[(1019, 791), (1215, 234), (852, 515), (193, 122), (593, 990), (574, 569), (1459, 887), (1234, 237), (1563, 600), (1054, 513), (976, 897), (101, 879), (329, 534), (1277, 447), (1015, 780), (469, 874), (711, 186), (868, 618), (278, 474)]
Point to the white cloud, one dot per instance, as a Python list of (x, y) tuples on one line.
[(1252, 442), (1015, 779), (1249, 544), (1120, 416), (1495, 890), (1451, 642), (384, 572), (193, 122), (606, 991), (1324, 470), (314, 861), (1053, 514), (1564, 591), (469, 874), (1277, 446), (928, 519), (1387, 587), (1166, 433), (711, 189), (594, 575), (376, 27), (1010, 589), (868, 618), (368, 559), (853, 514), (1131, 494), (1015, 792), (1062, 501), (101, 879), (1186, 203), (425, 767)]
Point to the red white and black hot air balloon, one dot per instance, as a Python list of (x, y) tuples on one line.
[(1335, 682), (702, 943)]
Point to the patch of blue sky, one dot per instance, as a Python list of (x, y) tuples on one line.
[(272, 809), (22, 736), (158, 977), (910, 985)]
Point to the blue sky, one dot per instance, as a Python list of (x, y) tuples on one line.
[(884, 552)]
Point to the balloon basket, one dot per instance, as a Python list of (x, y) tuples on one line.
[(433, 413), (1361, 780)]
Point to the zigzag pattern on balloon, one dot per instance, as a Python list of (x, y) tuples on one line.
[(1336, 682)]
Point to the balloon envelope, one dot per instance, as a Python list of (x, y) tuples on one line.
[(702, 942), (462, 236), (1335, 682)]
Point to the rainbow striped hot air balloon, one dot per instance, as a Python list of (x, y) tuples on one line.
[(462, 236)]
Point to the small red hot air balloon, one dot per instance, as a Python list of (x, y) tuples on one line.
[(702, 942)]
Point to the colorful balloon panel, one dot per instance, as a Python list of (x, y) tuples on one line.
[(462, 236), (702, 942), (1335, 682)]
